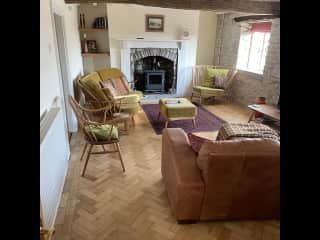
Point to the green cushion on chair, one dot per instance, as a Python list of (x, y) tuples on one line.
[(207, 90), (102, 132), (211, 73)]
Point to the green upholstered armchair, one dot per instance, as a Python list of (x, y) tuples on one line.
[(203, 77)]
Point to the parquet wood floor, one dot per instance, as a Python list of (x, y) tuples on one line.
[(110, 204)]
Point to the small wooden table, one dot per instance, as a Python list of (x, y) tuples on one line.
[(267, 110)]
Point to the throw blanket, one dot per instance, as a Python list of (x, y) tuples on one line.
[(247, 130)]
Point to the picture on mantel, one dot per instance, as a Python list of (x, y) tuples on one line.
[(154, 23)]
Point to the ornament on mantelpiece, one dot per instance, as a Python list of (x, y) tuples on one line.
[(185, 34)]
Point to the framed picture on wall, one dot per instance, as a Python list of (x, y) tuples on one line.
[(154, 23), (92, 46)]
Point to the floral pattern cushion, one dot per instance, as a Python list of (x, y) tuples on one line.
[(118, 84), (211, 74), (111, 90), (220, 82)]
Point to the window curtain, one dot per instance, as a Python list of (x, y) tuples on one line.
[(261, 27)]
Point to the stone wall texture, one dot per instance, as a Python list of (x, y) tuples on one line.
[(248, 86)]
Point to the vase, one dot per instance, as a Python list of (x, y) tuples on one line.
[(260, 100)]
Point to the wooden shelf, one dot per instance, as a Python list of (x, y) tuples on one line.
[(105, 54), (92, 29)]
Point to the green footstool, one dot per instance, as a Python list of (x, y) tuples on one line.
[(177, 109)]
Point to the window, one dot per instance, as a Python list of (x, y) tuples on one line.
[(253, 47)]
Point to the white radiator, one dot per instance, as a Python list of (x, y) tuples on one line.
[(54, 156)]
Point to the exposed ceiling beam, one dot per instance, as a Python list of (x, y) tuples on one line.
[(255, 17), (249, 6)]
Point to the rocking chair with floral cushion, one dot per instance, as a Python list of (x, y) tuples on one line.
[(211, 81), (96, 133)]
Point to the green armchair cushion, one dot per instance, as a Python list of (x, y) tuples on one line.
[(207, 90), (102, 132), (92, 83), (211, 74)]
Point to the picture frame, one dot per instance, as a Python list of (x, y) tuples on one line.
[(154, 23), (92, 46)]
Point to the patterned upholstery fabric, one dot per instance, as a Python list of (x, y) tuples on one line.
[(109, 89), (246, 130), (183, 109), (125, 84), (102, 132), (196, 142), (220, 82), (118, 84)]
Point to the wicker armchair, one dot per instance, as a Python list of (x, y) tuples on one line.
[(98, 99), (96, 133)]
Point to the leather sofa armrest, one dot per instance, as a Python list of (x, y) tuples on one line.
[(181, 175)]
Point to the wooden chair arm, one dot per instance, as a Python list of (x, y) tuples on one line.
[(133, 81)]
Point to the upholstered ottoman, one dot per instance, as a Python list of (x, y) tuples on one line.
[(177, 109)]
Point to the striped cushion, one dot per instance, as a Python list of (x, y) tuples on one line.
[(118, 84)]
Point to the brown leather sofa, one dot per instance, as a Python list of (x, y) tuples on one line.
[(232, 179)]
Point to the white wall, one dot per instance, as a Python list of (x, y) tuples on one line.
[(128, 21), (49, 71), (206, 37), (50, 86)]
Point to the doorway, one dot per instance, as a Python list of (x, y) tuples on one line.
[(63, 69)]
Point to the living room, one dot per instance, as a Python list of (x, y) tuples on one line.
[(156, 87)]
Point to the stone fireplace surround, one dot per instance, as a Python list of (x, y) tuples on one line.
[(174, 50)]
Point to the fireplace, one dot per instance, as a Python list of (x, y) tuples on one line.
[(154, 69), (155, 80)]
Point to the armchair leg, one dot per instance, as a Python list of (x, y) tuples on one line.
[(103, 148), (194, 123), (133, 121), (200, 97), (83, 152), (118, 148), (86, 163)]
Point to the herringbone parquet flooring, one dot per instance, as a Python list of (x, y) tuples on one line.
[(110, 204)]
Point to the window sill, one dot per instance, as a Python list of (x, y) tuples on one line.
[(255, 75)]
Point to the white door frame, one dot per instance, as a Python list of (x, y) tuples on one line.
[(64, 81)]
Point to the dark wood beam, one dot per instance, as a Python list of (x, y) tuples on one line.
[(247, 6), (256, 17)]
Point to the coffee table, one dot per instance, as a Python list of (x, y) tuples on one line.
[(267, 110), (181, 110)]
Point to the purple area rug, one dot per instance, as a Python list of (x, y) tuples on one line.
[(205, 120)]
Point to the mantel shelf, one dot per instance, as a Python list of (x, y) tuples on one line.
[(151, 40), (105, 54), (92, 29)]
